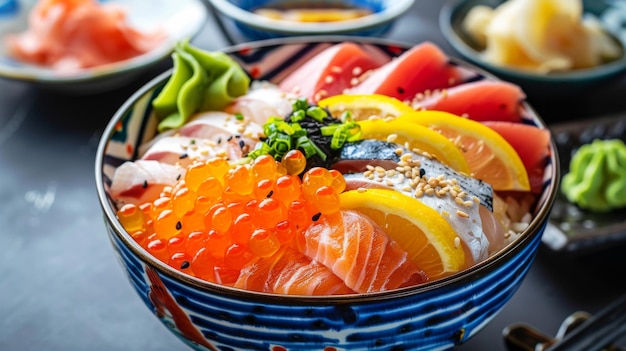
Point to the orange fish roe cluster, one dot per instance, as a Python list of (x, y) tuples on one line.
[(219, 217)]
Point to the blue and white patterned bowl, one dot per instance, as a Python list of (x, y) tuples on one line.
[(178, 18), (206, 316), (257, 27)]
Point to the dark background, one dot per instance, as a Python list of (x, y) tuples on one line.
[(61, 288)]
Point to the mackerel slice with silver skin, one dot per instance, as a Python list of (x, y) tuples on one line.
[(355, 157), (461, 211)]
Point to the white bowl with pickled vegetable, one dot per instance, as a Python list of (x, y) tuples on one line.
[(437, 314), (68, 60), (549, 72)]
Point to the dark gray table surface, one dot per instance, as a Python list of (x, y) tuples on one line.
[(61, 288)]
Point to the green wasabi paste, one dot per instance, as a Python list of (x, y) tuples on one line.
[(200, 81), (597, 177)]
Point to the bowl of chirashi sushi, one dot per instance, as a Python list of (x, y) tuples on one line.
[(333, 193)]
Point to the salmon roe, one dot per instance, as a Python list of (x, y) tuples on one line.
[(220, 217)]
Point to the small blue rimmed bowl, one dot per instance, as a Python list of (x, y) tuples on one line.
[(435, 316), (179, 19), (383, 14), (554, 84)]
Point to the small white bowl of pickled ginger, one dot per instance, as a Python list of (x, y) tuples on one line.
[(91, 45), (539, 44)]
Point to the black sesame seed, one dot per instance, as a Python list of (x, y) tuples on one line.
[(184, 265), (422, 172), (183, 156), (145, 184), (229, 138), (178, 176), (270, 193), (179, 225), (238, 136), (219, 140), (316, 216), (241, 144)]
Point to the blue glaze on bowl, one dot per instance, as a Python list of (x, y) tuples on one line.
[(256, 27), (435, 316), (9, 8)]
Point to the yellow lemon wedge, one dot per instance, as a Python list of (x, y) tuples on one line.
[(415, 136), (421, 231), (489, 156), (365, 106)]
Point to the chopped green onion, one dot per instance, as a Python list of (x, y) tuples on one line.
[(239, 116), (346, 116), (261, 148), (285, 128), (298, 131), (339, 138), (300, 104), (317, 113), (298, 116), (309, 148), (281, 143), (319, 151), (330, 129)]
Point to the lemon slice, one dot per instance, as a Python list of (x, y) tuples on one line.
[(420, 230), (489, 156), (365, 106), (416, 136)]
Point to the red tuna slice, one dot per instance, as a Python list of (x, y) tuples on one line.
[(424, 67), (331, 71), (481, 101), (532, 146)]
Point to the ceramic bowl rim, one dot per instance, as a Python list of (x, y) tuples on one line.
[(446, 16), (477, 270), (396, 9)]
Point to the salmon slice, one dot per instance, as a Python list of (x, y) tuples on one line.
[(424, 67), (67, 35), (290, 272), (359, 252), (331, 71), (483, 100)]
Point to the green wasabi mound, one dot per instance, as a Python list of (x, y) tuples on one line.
[(200, 81), (597, 177)]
